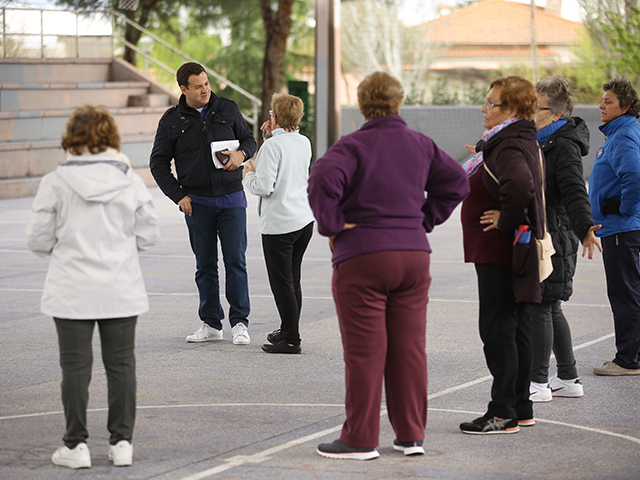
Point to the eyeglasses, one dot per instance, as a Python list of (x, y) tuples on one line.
[(490, 104), (542, 108)]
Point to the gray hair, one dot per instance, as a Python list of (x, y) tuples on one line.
[(558, 93)]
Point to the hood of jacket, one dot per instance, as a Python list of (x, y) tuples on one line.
[(98, 177), (575, 130)]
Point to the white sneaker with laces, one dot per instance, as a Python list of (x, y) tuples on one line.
[(121, 454), (205, 334), (77, 457), (540, 392), (240, 334), (566, 388)]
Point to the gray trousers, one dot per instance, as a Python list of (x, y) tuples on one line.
[(117, 338), (550, 331)]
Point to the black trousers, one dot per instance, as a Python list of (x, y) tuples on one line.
[(621, 255), (283, 257), (506, 334), (117, 338)]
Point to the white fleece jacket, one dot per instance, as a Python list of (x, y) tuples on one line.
[(92, 215)]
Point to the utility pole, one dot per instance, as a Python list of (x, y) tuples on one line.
[(327, 109), (534, 43)]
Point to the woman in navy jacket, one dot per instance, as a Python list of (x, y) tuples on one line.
[(614, 191)]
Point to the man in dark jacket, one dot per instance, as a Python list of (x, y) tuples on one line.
[(209, 194)]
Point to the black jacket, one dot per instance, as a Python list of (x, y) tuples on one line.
[(568, 208), (184, 136), (512, 155)]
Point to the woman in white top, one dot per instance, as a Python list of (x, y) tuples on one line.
[(92, 215), (279, 177)]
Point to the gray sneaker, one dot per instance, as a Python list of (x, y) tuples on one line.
[(612, 369), (205, 334)]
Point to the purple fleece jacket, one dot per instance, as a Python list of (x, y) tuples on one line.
[(393, 182)]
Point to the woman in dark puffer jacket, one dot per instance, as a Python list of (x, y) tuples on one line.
[(564, 141)]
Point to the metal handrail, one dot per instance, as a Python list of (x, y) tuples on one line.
[(255, 102), (185, 57)]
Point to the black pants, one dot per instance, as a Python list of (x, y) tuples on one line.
[(506, 335), (283, 257), (117, 338), (621, 255)]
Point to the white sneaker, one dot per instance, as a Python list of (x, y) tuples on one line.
[(566, 388), (121, 454), (78, 457), (540, 392), (240, 334), (205, 334)]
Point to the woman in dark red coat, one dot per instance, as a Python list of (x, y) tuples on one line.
[(507, 274)]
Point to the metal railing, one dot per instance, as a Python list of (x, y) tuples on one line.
[(46, 33)]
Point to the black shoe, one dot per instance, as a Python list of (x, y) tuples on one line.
[(409, 448), (275, 336), (337, 449), (281, 347), (492, 425)]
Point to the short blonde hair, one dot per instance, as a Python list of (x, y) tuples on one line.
[(519, 94), (90, 128), (288, 110), (380, 95)]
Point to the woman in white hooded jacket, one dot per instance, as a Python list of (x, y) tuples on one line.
[(92, 215)]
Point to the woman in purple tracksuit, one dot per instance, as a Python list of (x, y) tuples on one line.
[(375, 194)]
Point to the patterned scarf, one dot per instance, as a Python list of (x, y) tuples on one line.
[(474, 164)]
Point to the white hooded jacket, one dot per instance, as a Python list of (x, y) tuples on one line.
[(92, 215)]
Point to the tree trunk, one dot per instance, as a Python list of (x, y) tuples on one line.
[(277, 27), (131, 34)]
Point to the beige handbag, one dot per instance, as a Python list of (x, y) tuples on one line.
[(544, 244)]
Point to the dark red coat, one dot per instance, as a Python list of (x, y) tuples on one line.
[(512, 156)]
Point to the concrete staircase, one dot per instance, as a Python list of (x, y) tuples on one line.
[(38, 95)]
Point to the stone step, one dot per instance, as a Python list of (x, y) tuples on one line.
[(34, 159), (57, 96), (22, 164), (149, 100), (34, 70), (28, 186), (35, 125)]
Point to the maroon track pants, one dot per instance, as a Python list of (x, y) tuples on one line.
[(381, 300)]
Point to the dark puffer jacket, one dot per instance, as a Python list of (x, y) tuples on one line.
[(568, 208), (185, 137)]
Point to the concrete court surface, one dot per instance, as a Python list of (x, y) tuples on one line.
[(220, 411)]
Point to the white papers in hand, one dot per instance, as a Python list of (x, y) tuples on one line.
[(231, 145)]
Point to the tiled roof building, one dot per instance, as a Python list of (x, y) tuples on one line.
[(492, 34)]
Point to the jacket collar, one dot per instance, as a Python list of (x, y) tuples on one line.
[(184, 108), (611, 127), (396, 119)]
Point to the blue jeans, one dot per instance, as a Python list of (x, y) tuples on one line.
[(206, 225)]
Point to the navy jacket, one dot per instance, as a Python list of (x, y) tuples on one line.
[(568, 208), (184, 136)]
